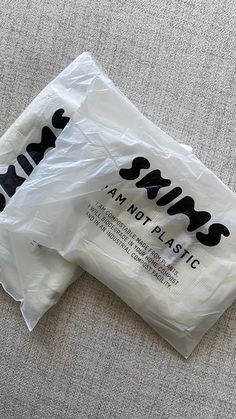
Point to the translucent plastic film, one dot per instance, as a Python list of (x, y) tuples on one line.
[(31, 274), (139, 212)]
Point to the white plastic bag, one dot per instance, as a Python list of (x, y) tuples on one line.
[(138, 211), (34, 275), (25, 143), (31, 274)]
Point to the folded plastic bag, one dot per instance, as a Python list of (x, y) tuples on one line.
[(30, 273), (139, 212), (25, 143), (34, 275)]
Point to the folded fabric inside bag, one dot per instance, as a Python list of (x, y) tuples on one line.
[(139, 212)]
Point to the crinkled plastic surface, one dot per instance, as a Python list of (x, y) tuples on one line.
[(139, 212), (31, 274)]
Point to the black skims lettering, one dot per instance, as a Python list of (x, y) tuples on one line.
[(138, 164), (48, 138), (37, 150), (10, 181), (59, 120), (186, 206), (214, 235), (2, 202), (25, 164), (154, 181)]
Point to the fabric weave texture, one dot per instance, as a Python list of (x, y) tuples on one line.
[(91, 356)]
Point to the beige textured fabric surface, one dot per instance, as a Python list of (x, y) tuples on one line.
[(91, 356)]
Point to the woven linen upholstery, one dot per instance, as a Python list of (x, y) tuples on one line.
[(91, 356)]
